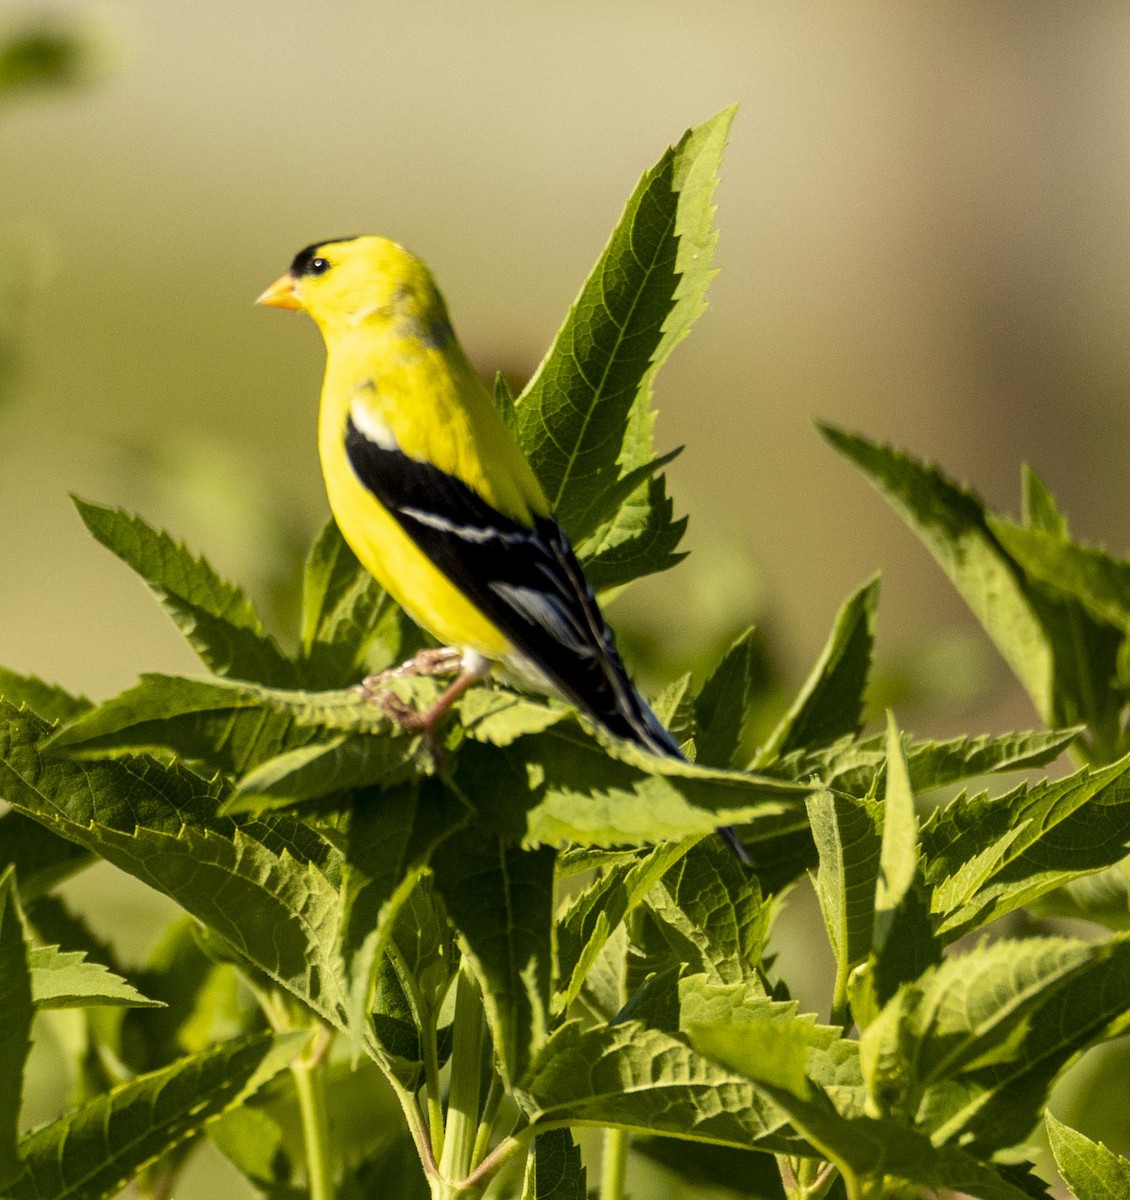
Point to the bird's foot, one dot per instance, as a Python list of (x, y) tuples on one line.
[(423, 721), (437, 660)]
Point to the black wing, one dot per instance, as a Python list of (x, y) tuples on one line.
[(526, 581)]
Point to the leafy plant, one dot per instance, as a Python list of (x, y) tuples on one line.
[(438, 971)]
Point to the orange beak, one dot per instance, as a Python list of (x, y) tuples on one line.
[(282, 294)]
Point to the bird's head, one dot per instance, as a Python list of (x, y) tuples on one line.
[(348, 282)]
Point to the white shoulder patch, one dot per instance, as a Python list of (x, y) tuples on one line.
[(369, 424)]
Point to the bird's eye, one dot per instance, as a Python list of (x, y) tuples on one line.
[(318, 266)]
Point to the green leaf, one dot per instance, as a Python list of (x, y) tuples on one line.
[(584, 420), (504, 402), (845, 830), (720, 707), (343, 763), (640, 300), (95, 1151), (1100, 582), (269, 887), (46, 700), (15, 1028), (775, 1055), (389, 839), (830, 704), (216, 617), (64, 979), (561, 786), (1088, 1168), (1059, 653), (898, 856), (649, 1081), (853, 766), (229, 725), (952, 522), (1039, 506), (902, 942), (500, 899), (554, 1170), (591, 918), (987, 856), (499, 716), (710, 911), (349, 623), (641, 539), (675, 708), (970, 1050)]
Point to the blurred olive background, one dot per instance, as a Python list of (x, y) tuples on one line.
[(924, 236)]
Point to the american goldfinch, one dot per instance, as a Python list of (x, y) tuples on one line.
[(437, 501)]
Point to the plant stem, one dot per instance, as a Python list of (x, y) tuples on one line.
[(614, 1164), (463, 1096), (310, 1086), (486, 1121)]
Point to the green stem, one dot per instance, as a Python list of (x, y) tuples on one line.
[(463, 1095), (486, 1122), (310, 1085), (425, 1021), (614, 1164)]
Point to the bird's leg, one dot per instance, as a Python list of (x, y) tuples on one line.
[(438, 660), (471, 667)]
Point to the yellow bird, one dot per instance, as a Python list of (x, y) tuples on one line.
[(437, 501)]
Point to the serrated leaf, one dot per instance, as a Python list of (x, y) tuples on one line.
[(323, 768), (641, 539), (774, 1055), (389, 839), (1089, 1169), (591, 918), (848, 842), (970, 1050), (1062, 656), (269, 887), (350, 625), (95, 1151), (720, 706), (1087, 573), (1039, 506), (231, 726), (504, 402), (64, 979), (554, 1170), (710, 911), (219, 621), (15, 1028), (561, 786), (830, 704), (588, 403), (500, 717), (500, 899), (675, 708), (648, 1081), (852, 765), (987, 856), (46, 700)]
